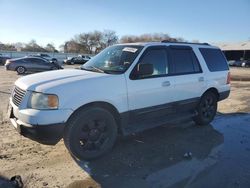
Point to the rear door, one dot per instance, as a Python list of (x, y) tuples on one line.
[(185, 76), (41, 65)]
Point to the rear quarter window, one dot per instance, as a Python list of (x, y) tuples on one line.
[(214, 59)]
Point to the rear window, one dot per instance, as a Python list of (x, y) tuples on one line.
[(214, 59)]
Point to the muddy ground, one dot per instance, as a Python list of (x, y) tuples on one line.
[(154, 158)]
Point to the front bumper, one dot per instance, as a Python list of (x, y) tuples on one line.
[(45, 134), (45, 127)]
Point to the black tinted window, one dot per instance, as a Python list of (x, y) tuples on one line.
[(214, 59), (158, 58), (35, 60), (183, 61)]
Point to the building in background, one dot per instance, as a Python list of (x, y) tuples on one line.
[(236, 51)]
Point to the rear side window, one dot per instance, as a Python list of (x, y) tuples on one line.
[(214, 59), (183, 61)]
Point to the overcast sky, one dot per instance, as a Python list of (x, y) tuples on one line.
[(59, 20)]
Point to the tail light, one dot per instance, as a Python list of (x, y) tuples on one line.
[(7, 62), (228, 78)]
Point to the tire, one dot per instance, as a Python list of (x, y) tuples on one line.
[(206, 109), (90, 133), (54, 68), (20, 70)]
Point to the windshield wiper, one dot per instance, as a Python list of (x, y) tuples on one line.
[(92, 68), (97, 69)]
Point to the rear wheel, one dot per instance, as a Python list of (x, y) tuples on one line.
[(206, 109), (90, 133), (54, 68), (20, 70)]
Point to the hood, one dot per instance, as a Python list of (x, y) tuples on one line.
[(42, 81)]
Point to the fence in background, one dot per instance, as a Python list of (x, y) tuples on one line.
[(58, 56)]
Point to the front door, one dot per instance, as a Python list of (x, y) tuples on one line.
[(149, 95)]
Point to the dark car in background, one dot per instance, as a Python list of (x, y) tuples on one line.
[(235, 63), (80, 59), (246, 63), (30, 64), (46, 56), (3, 59)]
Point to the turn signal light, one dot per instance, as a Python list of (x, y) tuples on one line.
[(228, 78)]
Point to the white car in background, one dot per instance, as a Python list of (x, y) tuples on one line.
[(124, 89)]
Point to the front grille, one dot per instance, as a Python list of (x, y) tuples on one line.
[(17, 96)]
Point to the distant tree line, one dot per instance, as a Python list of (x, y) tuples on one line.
[(89, 42), (32, 46)]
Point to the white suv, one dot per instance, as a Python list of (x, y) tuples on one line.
[(124, 89)]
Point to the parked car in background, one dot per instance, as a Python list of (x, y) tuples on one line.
[(246, 63), (30, 64), (3, 59), (45, 56), (80, 59), (234, 63)]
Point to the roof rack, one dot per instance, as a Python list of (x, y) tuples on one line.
[(166, 41)]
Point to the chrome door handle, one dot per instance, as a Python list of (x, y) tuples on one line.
[(201, 79), (166, 84)]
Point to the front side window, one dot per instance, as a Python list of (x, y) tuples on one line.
[(113, 60), (158, 58), (183, 61)]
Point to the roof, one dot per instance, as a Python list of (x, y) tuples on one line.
[(234, 46), (168, 43)]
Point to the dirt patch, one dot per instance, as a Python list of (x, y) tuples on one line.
[(240, 74)]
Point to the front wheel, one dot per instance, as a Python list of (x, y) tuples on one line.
[(54, 68), (206, 109), (90, 133)]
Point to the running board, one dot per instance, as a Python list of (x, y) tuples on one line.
[(171, 119)]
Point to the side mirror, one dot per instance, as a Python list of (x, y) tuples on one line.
[(144, 69)]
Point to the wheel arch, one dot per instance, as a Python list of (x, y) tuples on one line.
[(213, 90), (101, 104)]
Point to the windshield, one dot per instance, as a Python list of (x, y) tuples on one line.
[(113, 60)]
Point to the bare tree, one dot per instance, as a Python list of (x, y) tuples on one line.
[(32, 46), (50, 47), (93, 42), (148, 37), (109, 38), (7, 47)]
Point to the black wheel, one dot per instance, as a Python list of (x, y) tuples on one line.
[(54, 68), (206, 109), (20, 70), (90, 133)]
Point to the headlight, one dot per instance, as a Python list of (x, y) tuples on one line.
[(43, 101)]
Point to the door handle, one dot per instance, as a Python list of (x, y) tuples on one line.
[(201, 79), (166, 84)]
